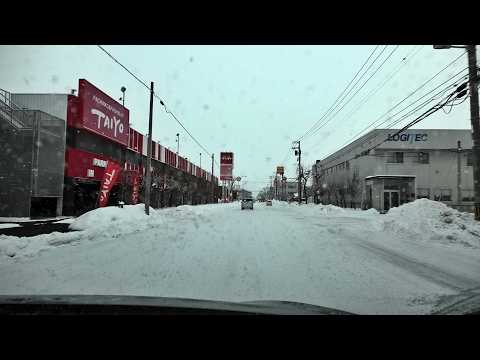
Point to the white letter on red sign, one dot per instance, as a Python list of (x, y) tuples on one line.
[(100, 115), (116, 122)]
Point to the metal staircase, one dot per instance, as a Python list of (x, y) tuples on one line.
[(11, 113)]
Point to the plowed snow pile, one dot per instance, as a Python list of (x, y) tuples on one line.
[(433, 221), (114, 219), (97, 224), (323, 209)]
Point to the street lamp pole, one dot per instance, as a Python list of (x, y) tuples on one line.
[(123, 89), (178, 143), (148, 172), (200, 160)]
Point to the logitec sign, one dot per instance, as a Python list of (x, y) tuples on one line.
[(407, 137), (101, 114)]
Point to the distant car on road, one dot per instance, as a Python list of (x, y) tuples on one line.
[(269, 203), (247, 203)]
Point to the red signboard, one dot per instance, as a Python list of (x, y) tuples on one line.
[(101, 114), (109, 178), (226, 166), (84, 164), (226, 158), (136, 184), (226, 172)]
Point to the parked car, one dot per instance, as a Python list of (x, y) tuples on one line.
[(269, 203), (247, 203)]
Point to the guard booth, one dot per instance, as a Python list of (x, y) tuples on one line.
[(383, 192)]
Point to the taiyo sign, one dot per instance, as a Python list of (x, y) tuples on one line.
[(410, 138), (101, 114)]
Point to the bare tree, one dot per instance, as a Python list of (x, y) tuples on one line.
[(353, 186)]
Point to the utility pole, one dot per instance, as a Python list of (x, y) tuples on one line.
[(123, 177), (298, 152), (200, 160), (149, 155), (459, 172), (474, 116), (213, 183), (276, 188), (270, 191)]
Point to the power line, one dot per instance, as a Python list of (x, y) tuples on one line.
[(315, 127), (351, 98), (396, 121), (366, 61), (406, 107), (124, 67), (403, 62), (406, 98), (180, 123), (424, 115), (353, 87), (411, 112), (434, 97), (161, 101), (339, 96)]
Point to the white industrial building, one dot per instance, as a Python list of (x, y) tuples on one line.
[(415, 164)]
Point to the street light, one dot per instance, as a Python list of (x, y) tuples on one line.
[(200, 160), (474, 118), (122, 192), (178, 142), (123, 89)]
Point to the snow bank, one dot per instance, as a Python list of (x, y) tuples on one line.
[(433, 221), (14, 247), (105, 224), (95, 225), (371, 211), (324, 209), (112, 218)]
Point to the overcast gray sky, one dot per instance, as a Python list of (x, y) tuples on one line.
[(252, 100)]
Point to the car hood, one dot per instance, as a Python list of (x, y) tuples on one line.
[(17, 303)]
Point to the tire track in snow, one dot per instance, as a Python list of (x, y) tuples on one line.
[(429, 272)]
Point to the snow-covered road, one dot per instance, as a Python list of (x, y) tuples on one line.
[(357, 261)]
